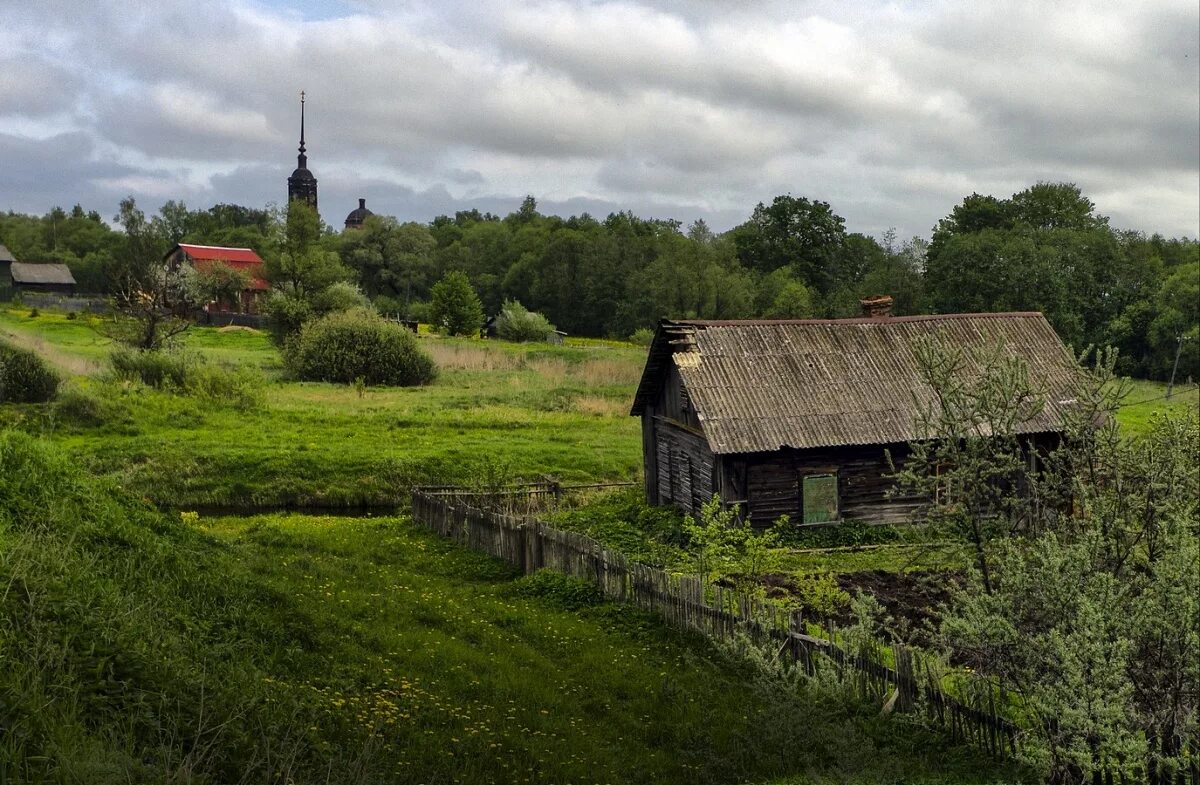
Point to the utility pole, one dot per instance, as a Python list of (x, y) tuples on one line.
[(1179, 339)]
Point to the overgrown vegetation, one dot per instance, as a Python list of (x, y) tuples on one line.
[(517, 323), (348, 345), (24, 376)]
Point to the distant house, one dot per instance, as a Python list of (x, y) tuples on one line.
[(6, 260), (50, 278), (200, 257), (794, 417)]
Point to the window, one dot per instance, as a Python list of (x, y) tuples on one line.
[(819, 495)]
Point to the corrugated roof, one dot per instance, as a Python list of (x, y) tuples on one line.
[(6, 255), (216, 253), (244, 259), (758, 386), (45, 273)]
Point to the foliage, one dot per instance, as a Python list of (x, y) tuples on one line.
[(517, 323), (1081, 610), (723, 547), (216, 283), (846, 534), (24, 376), (642, 336), (559, 590), (344, 346), (454, 307), (187, 372), (820, 595)]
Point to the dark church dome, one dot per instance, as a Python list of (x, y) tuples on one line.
[(302, 173), (359, 216)]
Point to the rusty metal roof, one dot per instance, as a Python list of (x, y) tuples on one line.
[(759, 386), (44, 273)]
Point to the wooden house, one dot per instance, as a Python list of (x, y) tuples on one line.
[(797, 417), (6, 260), (244, 259), (46, 277)]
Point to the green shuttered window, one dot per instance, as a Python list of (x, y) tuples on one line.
[(820, 498)]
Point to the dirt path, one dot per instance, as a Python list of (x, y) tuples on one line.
[(70, 364)]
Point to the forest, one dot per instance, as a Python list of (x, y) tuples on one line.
[(1045, 248)]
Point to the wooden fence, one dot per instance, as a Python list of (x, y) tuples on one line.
[(502, 522), (508, 531)]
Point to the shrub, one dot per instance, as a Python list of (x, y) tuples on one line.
[(339, 296), (341, 347), (821, 595), (643, 336), (455, 309), (285, 314), (24, 376), (82, 407), (241, 387), (517, 323), (156, 369)]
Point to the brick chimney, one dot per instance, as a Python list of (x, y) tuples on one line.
[(878, 306)]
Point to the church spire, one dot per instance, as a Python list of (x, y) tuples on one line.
[(302, 159), (302, 185)]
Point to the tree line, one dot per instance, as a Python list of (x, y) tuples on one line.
[(1044, 248)]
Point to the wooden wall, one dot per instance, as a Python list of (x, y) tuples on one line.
[(772, 482), (679, 467)]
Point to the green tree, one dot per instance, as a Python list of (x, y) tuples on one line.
[(793, 232), (455, 307), (216, 283)]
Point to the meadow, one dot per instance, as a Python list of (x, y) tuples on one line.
[(140, 646)]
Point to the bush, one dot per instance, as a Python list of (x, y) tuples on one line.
[(285, 314), (157, 369), (342, 347), (81, 407), (517, 323), (339, 296), (25, 377), (643, 336), (189, 373)]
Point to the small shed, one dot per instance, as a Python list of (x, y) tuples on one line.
[(798, 417), (6, 260), (49, 277), (245, 259)]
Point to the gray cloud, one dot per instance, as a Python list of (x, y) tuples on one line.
[(682, 110)]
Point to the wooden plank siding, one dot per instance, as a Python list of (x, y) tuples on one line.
[(774, 482)]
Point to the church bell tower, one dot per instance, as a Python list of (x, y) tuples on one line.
[(302, 186)]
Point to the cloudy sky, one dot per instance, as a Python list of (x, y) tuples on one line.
[(892, 112)]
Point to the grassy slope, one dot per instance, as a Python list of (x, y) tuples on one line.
[(135, 647)]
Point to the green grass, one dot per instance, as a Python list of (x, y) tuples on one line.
[(137, 647), (496, 408), (1147, 399)]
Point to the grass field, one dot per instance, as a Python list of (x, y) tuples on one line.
[(495, 409), (140, 647)]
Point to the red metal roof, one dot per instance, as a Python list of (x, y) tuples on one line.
[(246, 259), (215, 253)]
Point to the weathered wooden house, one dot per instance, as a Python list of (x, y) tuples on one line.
[(47, 277), (797, 417)]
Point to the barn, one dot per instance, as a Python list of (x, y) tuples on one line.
[(48, 277), (244, 259), (798, 417)]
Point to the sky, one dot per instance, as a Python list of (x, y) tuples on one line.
[(891, 112)]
